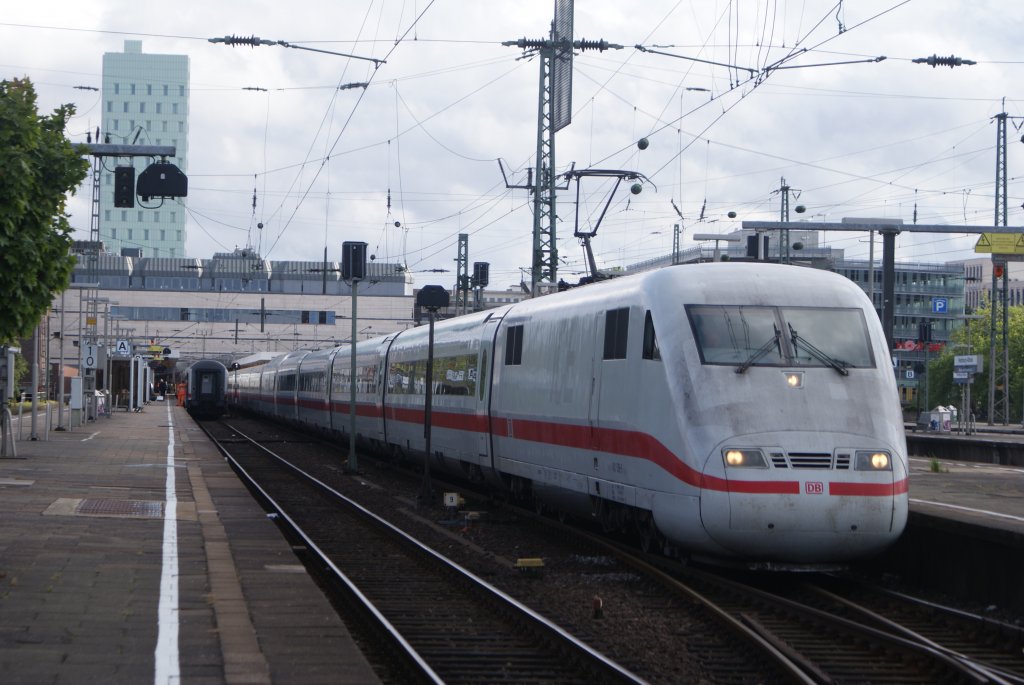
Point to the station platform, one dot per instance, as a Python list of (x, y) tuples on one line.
[(130, 552), (965, 533)]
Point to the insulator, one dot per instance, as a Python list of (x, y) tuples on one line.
[(936, 61), (251, 41)]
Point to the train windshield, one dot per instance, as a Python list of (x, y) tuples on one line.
[(781, 336), (828, 337)]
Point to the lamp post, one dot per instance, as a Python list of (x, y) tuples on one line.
[(431, 298)]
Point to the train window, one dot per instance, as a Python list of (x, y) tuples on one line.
[(483, 373), (455, 375), (737, 335), (514, 345), (828, 337), (651, 350), (616, 328), (773, 336)]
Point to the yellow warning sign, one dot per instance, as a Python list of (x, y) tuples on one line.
[(1000, 243)]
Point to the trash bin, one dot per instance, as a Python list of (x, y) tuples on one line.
[(938, 420)]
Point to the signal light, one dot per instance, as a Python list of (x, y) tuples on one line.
[(124, 186), (353, 260), (481, 274)]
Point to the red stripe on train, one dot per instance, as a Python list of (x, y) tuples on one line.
[(613, 441)]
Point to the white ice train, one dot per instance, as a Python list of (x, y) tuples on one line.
[(730, 410)]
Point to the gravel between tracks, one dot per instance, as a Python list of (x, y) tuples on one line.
[(656, 635)]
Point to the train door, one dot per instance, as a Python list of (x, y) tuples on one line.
[(485, 372), (613, 381), (593, 411)]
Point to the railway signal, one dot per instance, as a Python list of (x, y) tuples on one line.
[(431, 298), (353, 269), (124, 186)]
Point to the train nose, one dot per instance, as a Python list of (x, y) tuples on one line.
[(827, 506)]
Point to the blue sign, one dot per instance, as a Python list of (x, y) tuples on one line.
[(940, 305)]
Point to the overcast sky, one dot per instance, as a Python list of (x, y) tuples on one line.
[(864, 139)]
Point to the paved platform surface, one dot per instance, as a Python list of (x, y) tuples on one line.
[(86, 594), (987, 495)]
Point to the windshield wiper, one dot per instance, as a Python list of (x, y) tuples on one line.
[(838, 364), (762, 351)]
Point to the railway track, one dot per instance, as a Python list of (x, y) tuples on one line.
[(835, 630), (805, 628), (447, 624), (994, 647)]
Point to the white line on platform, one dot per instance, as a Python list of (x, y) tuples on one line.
[(168, 665), (91, 436), (972, 510)]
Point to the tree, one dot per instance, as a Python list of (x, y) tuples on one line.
[(944, 391), (38, 168)]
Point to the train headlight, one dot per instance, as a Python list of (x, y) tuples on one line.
[(744, 459), (794, 379), (873, 461)]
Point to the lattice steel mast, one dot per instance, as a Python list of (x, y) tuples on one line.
[(554, 112)]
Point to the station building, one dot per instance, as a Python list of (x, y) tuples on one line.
[(236, 304)]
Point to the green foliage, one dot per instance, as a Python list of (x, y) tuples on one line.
[(38, 168), (942, 388), (22, 371)]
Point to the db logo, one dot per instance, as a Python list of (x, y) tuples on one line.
[(813, 488)]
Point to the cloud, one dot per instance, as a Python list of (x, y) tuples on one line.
[(865, 139)]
